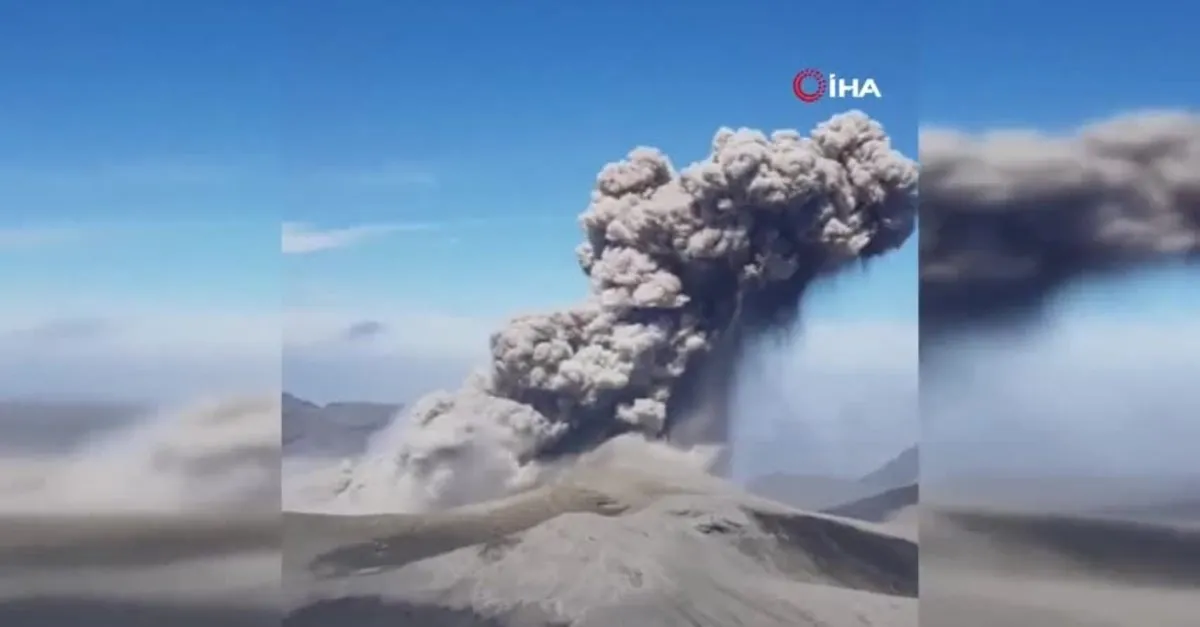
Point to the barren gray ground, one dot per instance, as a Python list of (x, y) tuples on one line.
[(615, 549), (995, 569), (138, 570)]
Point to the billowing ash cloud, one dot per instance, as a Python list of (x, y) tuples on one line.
[(684, 267), (1009, 218)]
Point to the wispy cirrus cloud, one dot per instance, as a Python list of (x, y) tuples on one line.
[(137, 355), (302, 239)]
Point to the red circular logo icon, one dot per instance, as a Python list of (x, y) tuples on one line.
[(809, 96)]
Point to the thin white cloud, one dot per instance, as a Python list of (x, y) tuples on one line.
[(25, 238), (145, 332), (826, 346), (413, 332), (302, 239), (138, 355)]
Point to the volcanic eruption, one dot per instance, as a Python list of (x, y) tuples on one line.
[(684, 267)]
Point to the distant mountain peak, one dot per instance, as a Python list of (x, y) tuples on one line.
[(903, 469), (336, 429), (293, 402)]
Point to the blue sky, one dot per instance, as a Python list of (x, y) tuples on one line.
[(493, 127), (197, 130), (1052, 65), (140, 186), (177, 123), (151, 154), (139, 161)]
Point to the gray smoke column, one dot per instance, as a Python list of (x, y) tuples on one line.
[(684, 267), (1007, 219)]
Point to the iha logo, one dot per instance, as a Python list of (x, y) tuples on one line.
[(810, 85)]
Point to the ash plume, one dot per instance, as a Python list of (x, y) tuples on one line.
[(684, 267), (1008, 219), (216, 455)]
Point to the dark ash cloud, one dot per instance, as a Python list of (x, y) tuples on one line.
[(1008, 219)]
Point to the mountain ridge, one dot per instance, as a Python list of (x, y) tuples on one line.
[(336, 429)]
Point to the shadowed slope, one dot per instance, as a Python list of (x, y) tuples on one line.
[(994, 569), (72, 612), (881, 507), (130, 539), (138, 570), (901, 470), (1109, 548)]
